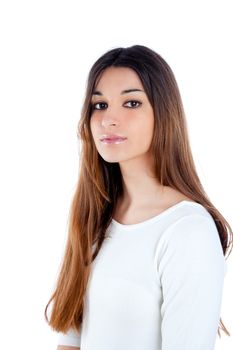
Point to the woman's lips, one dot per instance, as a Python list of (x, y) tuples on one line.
[(113, 140)]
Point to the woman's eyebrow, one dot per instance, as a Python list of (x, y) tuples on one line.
[(99, 93)]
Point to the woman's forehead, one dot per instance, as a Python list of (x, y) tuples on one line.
[(121, 79)]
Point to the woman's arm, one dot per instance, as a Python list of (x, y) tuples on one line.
[(61, 347), (191, 268), (70, 340)]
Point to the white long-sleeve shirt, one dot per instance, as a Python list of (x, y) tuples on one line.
[(155, 285)]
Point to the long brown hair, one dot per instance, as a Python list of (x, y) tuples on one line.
[(99, 183)]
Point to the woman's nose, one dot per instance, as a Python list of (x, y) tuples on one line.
[(109, 118), (108, 122)]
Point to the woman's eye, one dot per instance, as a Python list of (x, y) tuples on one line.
[(101, 104), (133, 102)]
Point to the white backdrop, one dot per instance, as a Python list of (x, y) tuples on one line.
[(47, 48)]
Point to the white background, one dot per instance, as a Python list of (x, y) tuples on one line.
[(47, 48)]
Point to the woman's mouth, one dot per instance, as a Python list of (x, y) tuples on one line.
[(113, 140)]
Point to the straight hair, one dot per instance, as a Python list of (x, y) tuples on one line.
[(99, 183)]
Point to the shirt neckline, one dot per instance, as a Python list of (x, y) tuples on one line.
[(117, 224)]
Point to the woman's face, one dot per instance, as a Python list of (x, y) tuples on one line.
[(127, 114)]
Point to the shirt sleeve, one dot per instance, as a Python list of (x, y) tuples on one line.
[(71, 338), (191, 268)]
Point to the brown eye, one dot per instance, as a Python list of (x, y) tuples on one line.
[(98, 103), (133, 102)]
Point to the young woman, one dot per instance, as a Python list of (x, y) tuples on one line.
[(144, 263)]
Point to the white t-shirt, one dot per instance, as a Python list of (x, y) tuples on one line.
[(155, 285)]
